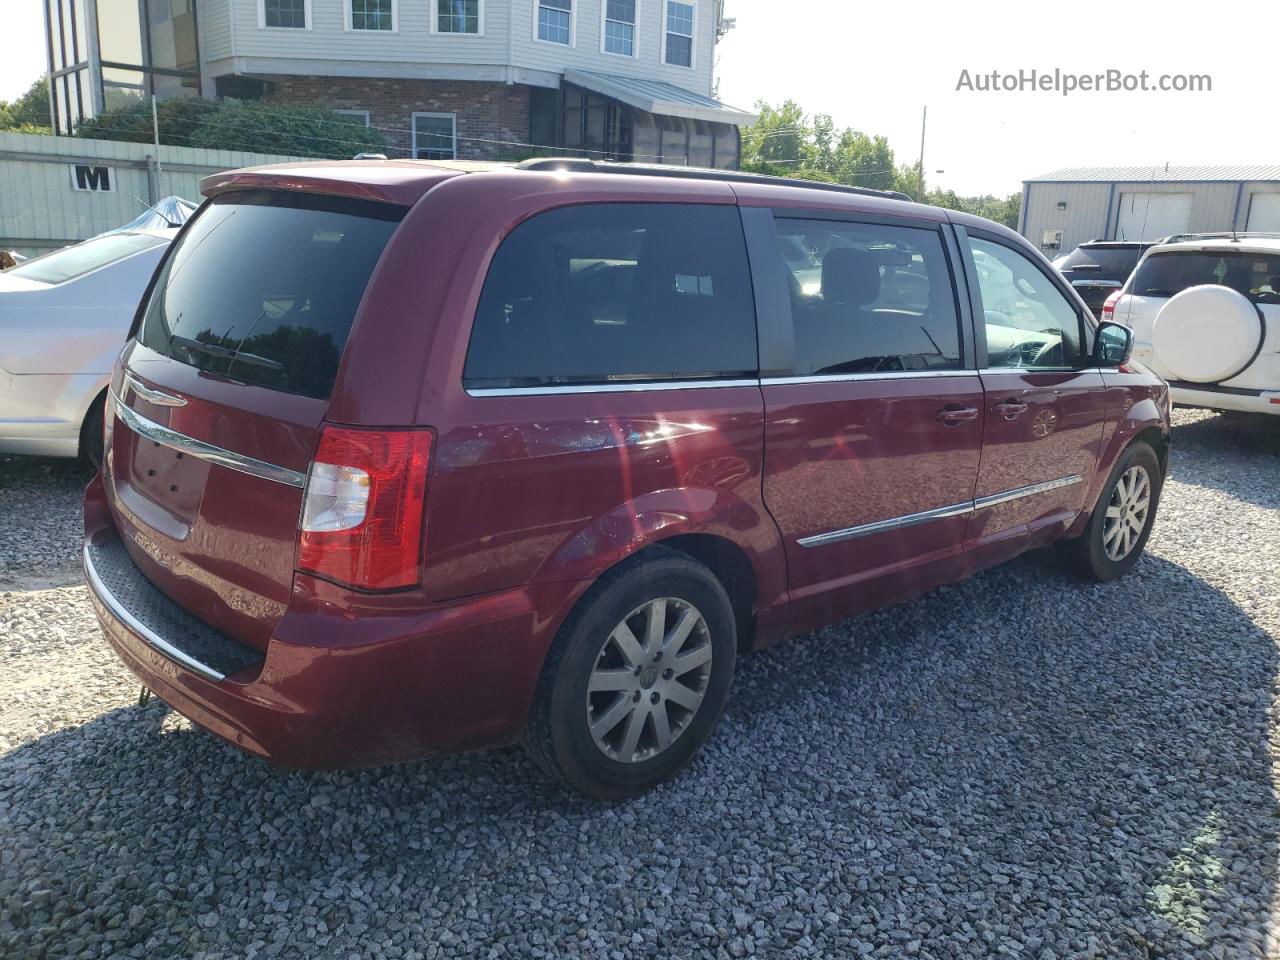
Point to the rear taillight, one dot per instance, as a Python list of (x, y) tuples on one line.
[(363, 508), (1109, 308)]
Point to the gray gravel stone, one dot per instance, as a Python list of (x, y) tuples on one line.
[(1019, 765)]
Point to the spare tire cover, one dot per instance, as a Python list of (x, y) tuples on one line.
[(1207, 334)]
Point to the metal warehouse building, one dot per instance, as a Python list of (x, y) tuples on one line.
[(1078, 204)]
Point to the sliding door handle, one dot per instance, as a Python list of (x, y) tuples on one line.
[(953, 413), (1009, 409)]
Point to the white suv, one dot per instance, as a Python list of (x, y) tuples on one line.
[(1205, 312)]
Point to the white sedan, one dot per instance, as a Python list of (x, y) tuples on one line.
[(63, 318)]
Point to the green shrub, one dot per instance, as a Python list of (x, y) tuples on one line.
[(178, 119), (255, 126), (302, 131)]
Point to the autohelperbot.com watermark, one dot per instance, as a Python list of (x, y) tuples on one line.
[(1065, 82)]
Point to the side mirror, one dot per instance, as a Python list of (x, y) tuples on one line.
[(1114, 344)]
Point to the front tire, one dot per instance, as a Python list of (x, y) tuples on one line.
[(636, 679), (1121, 522)]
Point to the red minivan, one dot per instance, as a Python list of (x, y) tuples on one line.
[(404, 458)]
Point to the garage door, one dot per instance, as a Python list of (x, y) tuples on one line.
[(1264, 212), (1150, 216)]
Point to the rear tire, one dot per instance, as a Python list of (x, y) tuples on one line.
[(91, 443), (1122, 519), (636, 679)]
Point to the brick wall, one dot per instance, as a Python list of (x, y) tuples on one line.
[(485, 111)]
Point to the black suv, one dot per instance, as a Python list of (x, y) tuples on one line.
[(1099, 268)]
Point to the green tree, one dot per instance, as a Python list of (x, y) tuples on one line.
[(863, 161), (786, 142), (30, 112), (779, 142)]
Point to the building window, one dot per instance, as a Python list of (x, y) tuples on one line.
[(620, 27), (459, 16), (435, 136), (679, 34), (285, 13), (356, 116), (372, 15), (555, 21)]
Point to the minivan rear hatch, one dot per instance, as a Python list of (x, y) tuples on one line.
[(218, 408)]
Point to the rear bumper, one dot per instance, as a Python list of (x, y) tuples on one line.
[(1266, 401), (346, 680)]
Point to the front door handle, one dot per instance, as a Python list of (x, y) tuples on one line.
[(1009, 409), (953, 413)]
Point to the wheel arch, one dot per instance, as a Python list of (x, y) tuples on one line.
[(730, 564), (98, 399), (1142, 423)]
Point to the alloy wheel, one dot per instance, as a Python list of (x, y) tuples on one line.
[(1127, 513), (649, 679)]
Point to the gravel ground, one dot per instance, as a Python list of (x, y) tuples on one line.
[(1018, 765)]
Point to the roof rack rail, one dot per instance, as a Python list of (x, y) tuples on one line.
[(1222, 235), (581, 165)]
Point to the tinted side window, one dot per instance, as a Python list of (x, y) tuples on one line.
[(263, 287), (1029, 322), (608, 292), (869, 298)]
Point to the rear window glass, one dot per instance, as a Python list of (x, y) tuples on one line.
[(1114, 262), (1256, 275), (71, 262), (614, 292), (263, 288)]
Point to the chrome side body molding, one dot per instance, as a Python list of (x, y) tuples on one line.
[(956, 510)]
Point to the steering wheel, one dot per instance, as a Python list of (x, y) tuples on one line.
[(1029, 353)]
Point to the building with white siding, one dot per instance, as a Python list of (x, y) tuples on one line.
[(1063, 209), (467, 79)]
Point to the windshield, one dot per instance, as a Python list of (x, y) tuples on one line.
[(1256, 275), (71, 262), (1113, 262), (263, 287)]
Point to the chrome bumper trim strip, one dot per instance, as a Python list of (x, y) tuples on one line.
[(152, 639), (206, 451)]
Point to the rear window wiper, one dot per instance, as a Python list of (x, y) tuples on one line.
[(216, 350)]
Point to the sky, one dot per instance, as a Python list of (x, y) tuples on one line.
[(22, 51), (874, 66)]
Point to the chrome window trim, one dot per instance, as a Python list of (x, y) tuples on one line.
[(152, 639), (1076, 370), (206, 451), (878, 375), (623, 386), (620, 386), (940, 513), (150, 394)]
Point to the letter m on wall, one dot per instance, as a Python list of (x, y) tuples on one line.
[(90, 178)]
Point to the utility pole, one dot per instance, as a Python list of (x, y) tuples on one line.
[(920, 170)]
